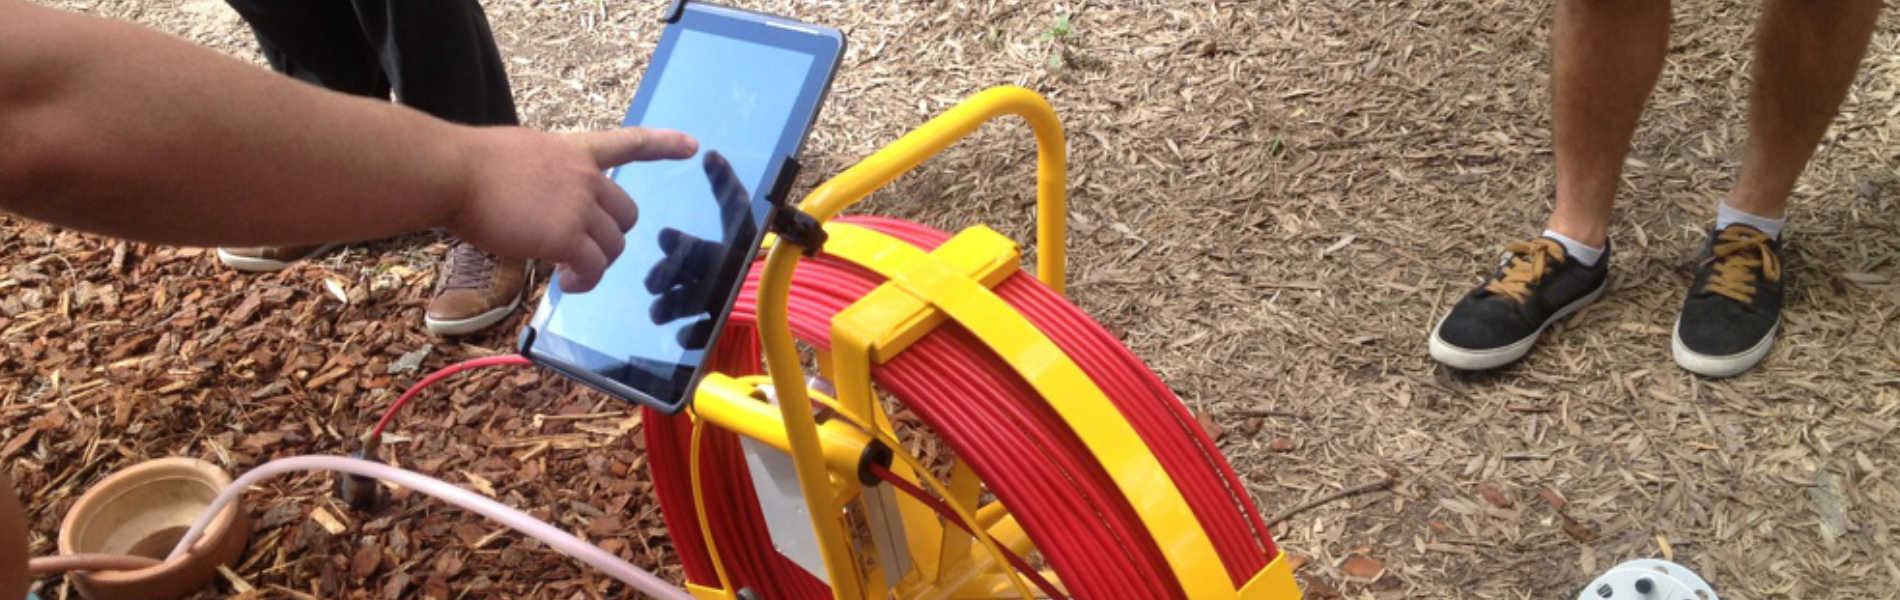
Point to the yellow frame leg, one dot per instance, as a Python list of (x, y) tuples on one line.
[(832, 197)]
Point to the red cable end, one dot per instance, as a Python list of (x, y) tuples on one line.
[(376, 433)]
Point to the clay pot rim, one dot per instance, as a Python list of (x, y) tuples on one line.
[(161, 469)]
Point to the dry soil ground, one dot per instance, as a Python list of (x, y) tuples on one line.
[(1272, 202)]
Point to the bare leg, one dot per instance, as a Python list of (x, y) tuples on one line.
[(1806, 54), (1606, 55)]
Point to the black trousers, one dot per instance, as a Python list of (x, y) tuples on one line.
[(437, 56)]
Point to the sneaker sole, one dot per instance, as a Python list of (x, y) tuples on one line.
[(1470, 359), (1720, 366), (447, 327), (252, 264)]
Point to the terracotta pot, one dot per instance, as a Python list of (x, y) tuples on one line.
[(143, 511)]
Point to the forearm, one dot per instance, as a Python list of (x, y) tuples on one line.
[(108, 127)]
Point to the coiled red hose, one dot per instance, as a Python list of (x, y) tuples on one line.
[(1160, 417), (1022, 450)]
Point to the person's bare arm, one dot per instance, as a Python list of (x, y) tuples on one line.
[(111, 128)]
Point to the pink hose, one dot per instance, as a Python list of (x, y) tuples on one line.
[(566, 543)]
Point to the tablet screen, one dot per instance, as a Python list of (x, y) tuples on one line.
[(741, 99)]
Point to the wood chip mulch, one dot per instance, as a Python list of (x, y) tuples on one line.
[(1271, 202)]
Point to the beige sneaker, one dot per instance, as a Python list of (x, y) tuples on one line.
[(269, 259), (478, 290)]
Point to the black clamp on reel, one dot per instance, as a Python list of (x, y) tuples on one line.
[(790, 223)]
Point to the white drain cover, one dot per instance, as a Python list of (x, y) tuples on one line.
[(1648, 579)]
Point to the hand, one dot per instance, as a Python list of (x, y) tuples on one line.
[(540, 195), (686, 279)]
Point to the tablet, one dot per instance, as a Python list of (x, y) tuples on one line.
[(748, 86)]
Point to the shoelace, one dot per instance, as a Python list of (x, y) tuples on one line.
[(1530, 262), (1736, 255), (468, 267)]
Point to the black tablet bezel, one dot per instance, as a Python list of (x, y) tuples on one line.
[(826, 46)]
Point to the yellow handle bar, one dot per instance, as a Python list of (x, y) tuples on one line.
[(878, 170)]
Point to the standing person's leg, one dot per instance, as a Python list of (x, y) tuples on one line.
[(1605, 59), (1606, 55), (441, 58), (1806, 54), (319, 43)]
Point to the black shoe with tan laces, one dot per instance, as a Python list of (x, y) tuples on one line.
[(1498, 322), (1728, 321)]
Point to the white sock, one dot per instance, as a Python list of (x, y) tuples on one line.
[(1584, 253), (1726, 215)]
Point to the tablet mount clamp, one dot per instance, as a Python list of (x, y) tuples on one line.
[(790, 223)]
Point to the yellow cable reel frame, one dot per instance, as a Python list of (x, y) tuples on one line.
[(923, 290)]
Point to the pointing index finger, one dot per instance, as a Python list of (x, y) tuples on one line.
[(627, 144)]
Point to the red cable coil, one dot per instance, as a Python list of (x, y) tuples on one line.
[(935, 377), (1088, 531), (1125, 377)]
